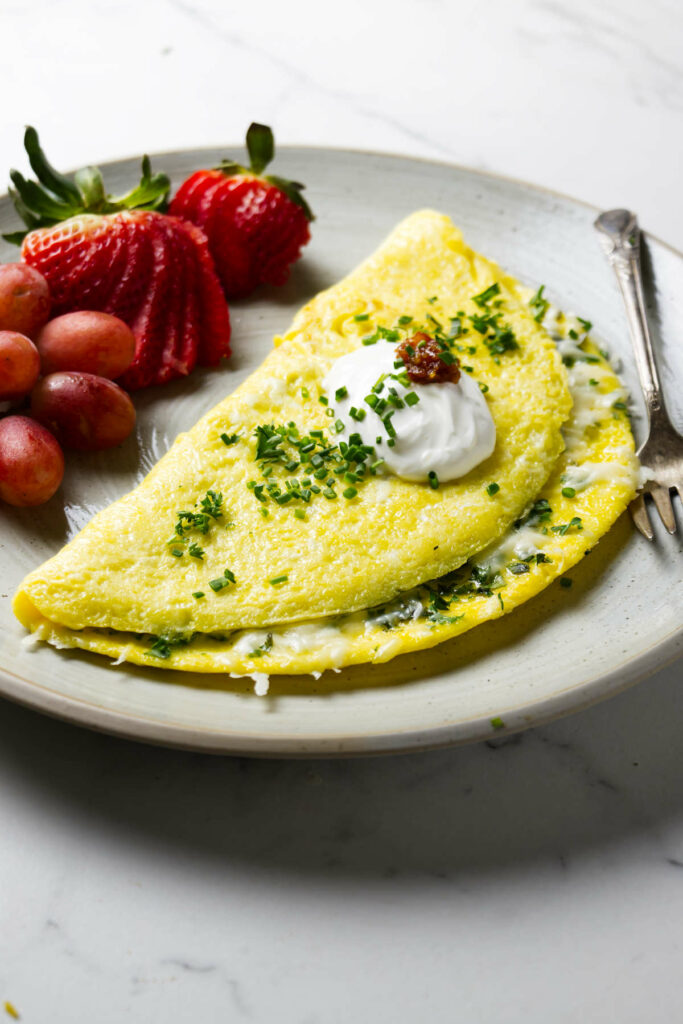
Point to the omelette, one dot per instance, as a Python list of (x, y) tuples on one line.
[(244, 551)]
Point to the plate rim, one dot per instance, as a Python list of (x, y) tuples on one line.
[(510, 179), (81, 712)]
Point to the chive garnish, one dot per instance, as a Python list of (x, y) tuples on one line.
[(277, 580), (540, 304), (492, 489), (483, 298), (568, 492), (229, 439)]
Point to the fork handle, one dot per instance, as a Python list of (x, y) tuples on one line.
[(620, 239)]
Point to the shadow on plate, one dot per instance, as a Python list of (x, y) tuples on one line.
[(548, 795)]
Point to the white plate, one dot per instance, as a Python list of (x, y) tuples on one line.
[(564, 650)]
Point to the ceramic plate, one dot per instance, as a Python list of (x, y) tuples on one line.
[(621, 620)]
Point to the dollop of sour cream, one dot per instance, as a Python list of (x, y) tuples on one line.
[(448, 432)]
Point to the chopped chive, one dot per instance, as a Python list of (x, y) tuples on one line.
[(565, 582), (433, 480), (518, 568), (483, 387), (229, 439), (388, 425), (350, 492), (412, 398), (323, 400), (198, 594), (568, 492), (586, 324), (359, 317), (492, 489), (497, 722), (277, 580), (483, 298), (299, 513), (593, 382), (340, 393), (218, 584)]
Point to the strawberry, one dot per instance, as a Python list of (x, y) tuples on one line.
[(256, 225), (123, 256)]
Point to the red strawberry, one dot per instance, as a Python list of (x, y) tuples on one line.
[(122, 256), (256, 225)]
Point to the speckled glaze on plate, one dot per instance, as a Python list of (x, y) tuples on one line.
[(621, 620)]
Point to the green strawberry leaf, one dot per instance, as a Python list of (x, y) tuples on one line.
[(230, 168), (15, 237), (292, 189), (90, 185), (58, 183), (54, 197)]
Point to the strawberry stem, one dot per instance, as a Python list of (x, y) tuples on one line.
[(54, 197), (260, 146), (261, 150)]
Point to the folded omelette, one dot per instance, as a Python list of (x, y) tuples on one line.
[(244, 550)]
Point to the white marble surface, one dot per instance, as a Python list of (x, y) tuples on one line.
[(537, 881)]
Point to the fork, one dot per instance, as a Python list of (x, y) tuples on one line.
[(662, 451)]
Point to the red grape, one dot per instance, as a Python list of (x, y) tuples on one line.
[(19, 365), (82, 410), (31, 462), (24, 298), (86, 341)]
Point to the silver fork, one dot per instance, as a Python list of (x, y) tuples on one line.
[(662, 451)]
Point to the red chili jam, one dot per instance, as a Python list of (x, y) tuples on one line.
[(423, 360)]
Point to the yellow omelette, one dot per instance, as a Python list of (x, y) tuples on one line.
[(219, 516)]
